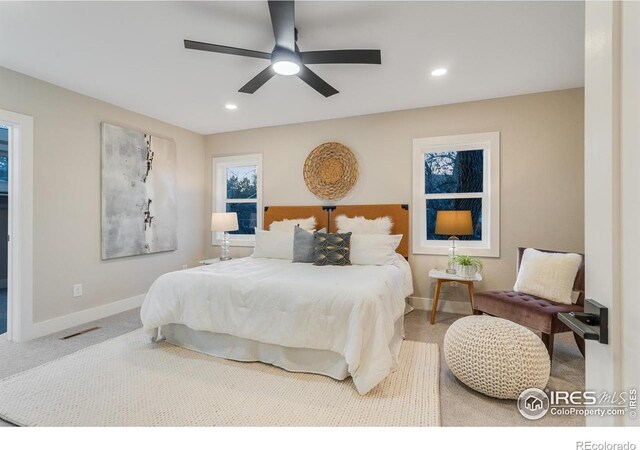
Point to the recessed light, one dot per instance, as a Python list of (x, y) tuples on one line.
[(231, 106), (438, 72)]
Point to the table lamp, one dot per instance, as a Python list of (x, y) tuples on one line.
[(224, 222), (453, 224)]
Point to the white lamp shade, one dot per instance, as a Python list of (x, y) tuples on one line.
[(224, 221)]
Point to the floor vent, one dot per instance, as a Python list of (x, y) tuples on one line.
[(79, 333)]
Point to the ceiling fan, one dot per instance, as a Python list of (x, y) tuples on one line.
[(286, 58)]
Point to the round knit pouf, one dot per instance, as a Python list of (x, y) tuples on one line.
[(496, 356)]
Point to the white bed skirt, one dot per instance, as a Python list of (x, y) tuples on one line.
[(322, 362)]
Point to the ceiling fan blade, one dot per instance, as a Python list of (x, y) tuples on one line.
[(316, 82), (342, 57), (283, 22), (256, 82), (195, 45)]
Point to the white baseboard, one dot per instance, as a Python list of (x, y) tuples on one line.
[(56, 324), (443, 305)]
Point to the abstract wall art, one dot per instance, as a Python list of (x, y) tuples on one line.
[(139, 213)]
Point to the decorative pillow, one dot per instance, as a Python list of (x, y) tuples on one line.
[(287, 225), (575, 295), (374, 249), (273, 244), (360, 225), (331, 249), (548, 275), (303, 245)]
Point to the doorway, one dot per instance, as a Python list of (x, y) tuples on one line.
[(4, 224), (16, 238)]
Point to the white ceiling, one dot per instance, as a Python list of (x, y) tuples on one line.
[(131, 54)]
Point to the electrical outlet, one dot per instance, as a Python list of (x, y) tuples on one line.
[(184, 266), (77, 290)]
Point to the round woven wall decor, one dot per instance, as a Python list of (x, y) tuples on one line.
[(330, 171)]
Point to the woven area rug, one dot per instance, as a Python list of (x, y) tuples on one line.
[(130, 381)]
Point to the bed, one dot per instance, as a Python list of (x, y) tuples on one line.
[(337, 321)]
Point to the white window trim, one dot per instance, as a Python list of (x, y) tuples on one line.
[(219, 166), (20, 325), (490, 143)]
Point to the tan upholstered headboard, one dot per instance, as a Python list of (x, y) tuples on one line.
[(273, 213), (399, 215)]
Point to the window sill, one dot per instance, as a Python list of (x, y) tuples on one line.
[(468, 251)]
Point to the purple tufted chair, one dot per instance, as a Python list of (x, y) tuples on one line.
[(530, 311)]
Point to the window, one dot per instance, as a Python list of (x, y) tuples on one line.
[(454, 173), (237, 184)]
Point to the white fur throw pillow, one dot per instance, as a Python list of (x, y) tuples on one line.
[(287, 225), (548, 275), (360, 225)]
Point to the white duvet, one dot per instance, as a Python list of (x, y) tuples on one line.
[(349, 310)]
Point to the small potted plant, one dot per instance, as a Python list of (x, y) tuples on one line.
[(467, 266)]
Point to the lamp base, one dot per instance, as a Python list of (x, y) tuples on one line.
[(224, 256), (452, 254)]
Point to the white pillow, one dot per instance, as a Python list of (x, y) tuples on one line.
[(273, 244), (287, 225), (548, 275), (374, 249), (360, 225), (575, 295)]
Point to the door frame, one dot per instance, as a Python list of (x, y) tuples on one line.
[(20, 227), (612, 67)]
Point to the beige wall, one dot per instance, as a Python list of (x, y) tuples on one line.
[(542, 172), (67, 198), (541, 176)]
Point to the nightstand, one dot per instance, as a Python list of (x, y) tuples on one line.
[(441, 276)]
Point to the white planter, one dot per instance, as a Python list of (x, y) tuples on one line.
[(466, 271)]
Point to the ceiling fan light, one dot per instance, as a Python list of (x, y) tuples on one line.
[(284, 67)]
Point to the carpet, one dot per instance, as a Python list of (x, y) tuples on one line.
[(130, 381)]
